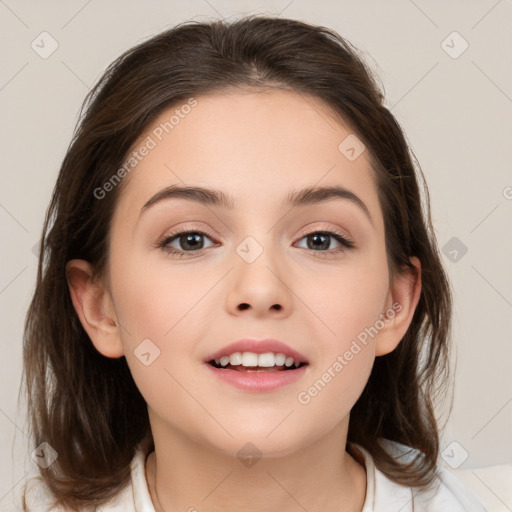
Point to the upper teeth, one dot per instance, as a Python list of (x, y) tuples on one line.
[(252, 359)]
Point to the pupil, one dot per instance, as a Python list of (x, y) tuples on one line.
[(323, 245), (188, 238)]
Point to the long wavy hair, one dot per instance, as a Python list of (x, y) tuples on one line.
[(87, 406)]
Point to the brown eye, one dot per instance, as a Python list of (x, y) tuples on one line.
[(190, 241), (184, 242), (320, 241)]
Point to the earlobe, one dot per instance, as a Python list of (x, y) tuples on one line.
[(403, 298), (94, 307)]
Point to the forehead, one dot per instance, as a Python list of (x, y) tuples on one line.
[(254, 145)]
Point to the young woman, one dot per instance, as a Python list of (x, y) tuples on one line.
[(240, 302)]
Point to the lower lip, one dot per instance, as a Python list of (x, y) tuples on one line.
[(258, 381)]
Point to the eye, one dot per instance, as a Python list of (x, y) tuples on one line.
[(190, 242), (319, 240)]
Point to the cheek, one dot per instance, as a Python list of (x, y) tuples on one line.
[(349, 299), (332, 392), (345, 350), (152, 301), (348, 302), (161, 314)]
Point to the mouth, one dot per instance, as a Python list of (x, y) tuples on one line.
[(247, 368), (246, 371), (254, 355), (257, 365), (248, 361)]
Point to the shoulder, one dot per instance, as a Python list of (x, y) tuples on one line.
[(131, 498), (38, 498), (448, 494)]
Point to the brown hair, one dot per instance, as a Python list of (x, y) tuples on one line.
[(87, 406)]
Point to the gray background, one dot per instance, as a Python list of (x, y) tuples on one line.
[(455, 109)]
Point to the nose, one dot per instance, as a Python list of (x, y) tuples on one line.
[(260, 287)]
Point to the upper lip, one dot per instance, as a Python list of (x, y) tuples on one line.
[(258, 347)]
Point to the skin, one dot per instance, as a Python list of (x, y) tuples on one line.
[(256, 147)]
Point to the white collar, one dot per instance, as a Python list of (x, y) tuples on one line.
[(142, 497), (382, 494)]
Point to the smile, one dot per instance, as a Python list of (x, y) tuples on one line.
[(257, 378)]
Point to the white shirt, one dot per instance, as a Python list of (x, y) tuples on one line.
[(382, 494)]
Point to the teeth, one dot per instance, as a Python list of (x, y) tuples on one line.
[(280, 359), (249, 359), (235, 359), (266, 360)]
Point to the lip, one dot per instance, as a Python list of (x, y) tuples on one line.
[(258, 381), (258, 347)]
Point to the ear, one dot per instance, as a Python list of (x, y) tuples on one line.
[(94, 307), (403, 297)]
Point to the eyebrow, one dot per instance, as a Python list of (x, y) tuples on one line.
[(296, 198)]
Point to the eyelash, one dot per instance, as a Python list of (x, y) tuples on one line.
[(347, 244)]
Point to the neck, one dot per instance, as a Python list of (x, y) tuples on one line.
[(185, 475)]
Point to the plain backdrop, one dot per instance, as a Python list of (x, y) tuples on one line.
[(446, 69)]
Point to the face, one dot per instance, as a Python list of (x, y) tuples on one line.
[(259, 269)]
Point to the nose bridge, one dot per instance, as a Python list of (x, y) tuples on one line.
[(258, 234), (251, 248), (258, 281), (260, 238)]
